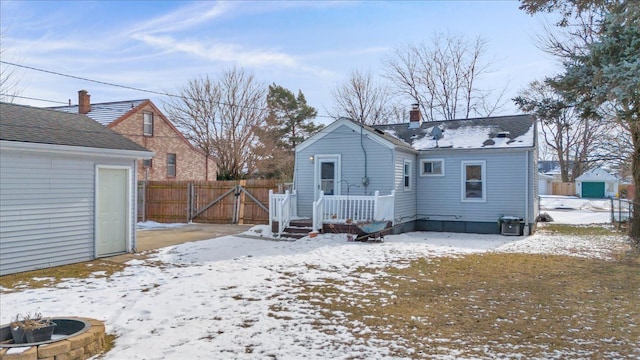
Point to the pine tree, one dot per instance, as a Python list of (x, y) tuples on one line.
[(289, 123)]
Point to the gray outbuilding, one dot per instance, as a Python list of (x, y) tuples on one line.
[(67, 189)]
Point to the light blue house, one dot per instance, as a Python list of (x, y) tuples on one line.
[(458, 175)]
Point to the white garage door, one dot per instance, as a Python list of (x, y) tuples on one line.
[(112, 210)]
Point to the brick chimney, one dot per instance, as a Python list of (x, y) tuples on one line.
[(415, 118), (84, 102)]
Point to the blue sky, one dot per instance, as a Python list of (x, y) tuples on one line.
[(311, 46)]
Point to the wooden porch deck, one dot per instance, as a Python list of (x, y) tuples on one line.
[(300, 228)]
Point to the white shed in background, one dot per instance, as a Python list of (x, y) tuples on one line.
[(545, 184), (596, 184)]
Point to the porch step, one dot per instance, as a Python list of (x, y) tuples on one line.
[(306, 223), (295, 232), (297, 228)]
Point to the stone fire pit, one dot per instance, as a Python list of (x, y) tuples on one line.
[(73, 338)]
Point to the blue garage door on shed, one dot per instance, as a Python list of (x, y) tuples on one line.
[(593, 190)]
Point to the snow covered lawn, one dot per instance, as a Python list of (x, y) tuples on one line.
[(235, 297)]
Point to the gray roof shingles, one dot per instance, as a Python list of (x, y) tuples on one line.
[(36, 125), (104, 113)]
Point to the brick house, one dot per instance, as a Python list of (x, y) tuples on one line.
[(141, 121)]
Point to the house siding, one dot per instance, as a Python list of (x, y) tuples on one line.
[(345, 142), (440, 197), (405, 200), (191, 164), (48, 209)]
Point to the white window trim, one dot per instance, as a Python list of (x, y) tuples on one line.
[(404, 164), (463, 178), (175, 165), (144, 124), (422, 161), (317, 159)]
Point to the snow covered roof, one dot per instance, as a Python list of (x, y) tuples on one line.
[(596, 175), (104, 113), (515, 131)]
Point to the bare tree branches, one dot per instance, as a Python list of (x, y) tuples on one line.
[(442, 77), (220, 117), (10, 78), (574, 141), (363, 100)]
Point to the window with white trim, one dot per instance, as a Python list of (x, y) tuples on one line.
[(406, 176), (171, 165), (147, 127), (474, 182), (432, 167)]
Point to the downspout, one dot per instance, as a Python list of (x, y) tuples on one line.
[(525, 230), (365, 179)]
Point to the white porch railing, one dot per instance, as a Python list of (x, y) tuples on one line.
[(332, 208), (282, 208), (339, 208)]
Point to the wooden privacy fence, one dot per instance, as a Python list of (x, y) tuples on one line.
[(564, 188), (219, 202)]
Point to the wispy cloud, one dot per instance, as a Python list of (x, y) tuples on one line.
[(219, 51), (165, 34), (183, 18)]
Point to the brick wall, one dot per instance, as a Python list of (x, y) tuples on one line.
[(191, 164)]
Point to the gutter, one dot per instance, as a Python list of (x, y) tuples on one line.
[(75, 150)]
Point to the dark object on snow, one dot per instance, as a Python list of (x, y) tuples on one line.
[(374, 229), (544, 217)]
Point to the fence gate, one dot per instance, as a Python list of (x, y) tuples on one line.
[(222, 202), (564, 188)]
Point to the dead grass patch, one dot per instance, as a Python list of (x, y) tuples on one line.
[(492, 305), (580, 230), (52, 276)]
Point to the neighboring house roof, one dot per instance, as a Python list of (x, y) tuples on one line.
[(105, 113), (515, 131), (27, 124), (111, 113), (596, 175)]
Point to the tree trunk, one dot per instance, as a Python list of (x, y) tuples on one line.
[(634, 228)]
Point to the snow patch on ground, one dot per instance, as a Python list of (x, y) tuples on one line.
[(152, 225), (235, 296)]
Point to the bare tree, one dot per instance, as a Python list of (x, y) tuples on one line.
[(220, 117), (442, 77), (363, 100), (574, 140), (572, 33)]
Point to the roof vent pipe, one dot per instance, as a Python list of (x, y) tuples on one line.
[(415, 118)]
